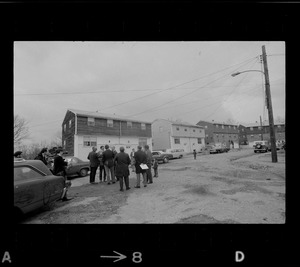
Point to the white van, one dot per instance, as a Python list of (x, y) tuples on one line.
[(176, 152)]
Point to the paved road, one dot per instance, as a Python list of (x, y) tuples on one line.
[(234, 187)]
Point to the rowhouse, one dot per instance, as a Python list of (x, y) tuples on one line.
[(83, 129)]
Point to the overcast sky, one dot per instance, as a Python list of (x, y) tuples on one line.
[(189, 81)]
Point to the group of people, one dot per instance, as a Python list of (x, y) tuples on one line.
[(115, 166)]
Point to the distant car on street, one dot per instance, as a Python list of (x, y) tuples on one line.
[(261, 146), (35, 186), (76, 166), (162, 156), (214, 149), (176, 153)]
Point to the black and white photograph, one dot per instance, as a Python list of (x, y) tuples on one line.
[(149, 132)]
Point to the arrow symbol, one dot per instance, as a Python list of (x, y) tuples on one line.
[(118, 258)]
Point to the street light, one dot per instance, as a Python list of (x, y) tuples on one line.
[(237, 73), (269, 103)]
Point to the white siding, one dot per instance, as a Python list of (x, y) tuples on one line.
[(128, 143)]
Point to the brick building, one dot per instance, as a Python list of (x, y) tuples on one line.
[(256, 132), (220, 133)]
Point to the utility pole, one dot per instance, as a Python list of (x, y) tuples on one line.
[(262, 130), (269, 106)]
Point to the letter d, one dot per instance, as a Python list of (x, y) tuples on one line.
[(239, 256)]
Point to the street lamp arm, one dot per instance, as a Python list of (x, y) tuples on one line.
[(239, 72)]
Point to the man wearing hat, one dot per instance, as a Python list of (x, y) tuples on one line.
[(17, 155), (41, 156)]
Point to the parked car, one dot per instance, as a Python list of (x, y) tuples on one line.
[(77, 166), (213, 149), (35, 186), (176, 153), (162, 156), (261, 146)]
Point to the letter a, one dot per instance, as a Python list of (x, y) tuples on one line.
[(239, 256), (6, 257)]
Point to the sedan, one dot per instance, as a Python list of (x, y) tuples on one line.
[(35, 186), (77, 166), (161, 156)]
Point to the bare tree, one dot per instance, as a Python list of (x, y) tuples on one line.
[(20, 129), (56, 140)]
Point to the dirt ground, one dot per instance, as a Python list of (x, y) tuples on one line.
[(235, 187)]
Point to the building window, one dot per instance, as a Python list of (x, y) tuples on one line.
[(177, 140), (185, 130), (129, 124), (199, 141), (242, 129), (205, 126), (229, 126), (278, 126), (217, 126), (223, 135), (259, 127), (217, 135), (143, 126), (234, 127), (222, 126), (70, 123), (177, 128), (64, 128), (89, 141), (200, 131), (206, 135), (229, 136), (193, 130), (251, 128), (110, 123), (91, 121), (252, 135)]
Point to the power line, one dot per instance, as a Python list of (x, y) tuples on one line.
[(225, 100), (172, 87), (130, 90), (180, 97)]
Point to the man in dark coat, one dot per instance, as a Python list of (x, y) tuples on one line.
[(108, 161), (42, 156), (140, 158), (94, 163), (102, 169), (114, 151), (122, 162), (59, 169), (149, 164)]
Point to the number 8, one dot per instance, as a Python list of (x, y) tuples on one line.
[(137, 257)]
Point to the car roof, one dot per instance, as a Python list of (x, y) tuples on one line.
[(37, 164)]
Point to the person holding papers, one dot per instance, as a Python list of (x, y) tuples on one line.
[(140, 167)]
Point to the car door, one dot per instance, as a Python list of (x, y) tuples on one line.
[(28, 193), (33, 189)]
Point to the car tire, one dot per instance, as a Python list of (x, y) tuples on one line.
[(180, 156), (166, 160), (83, 172)]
